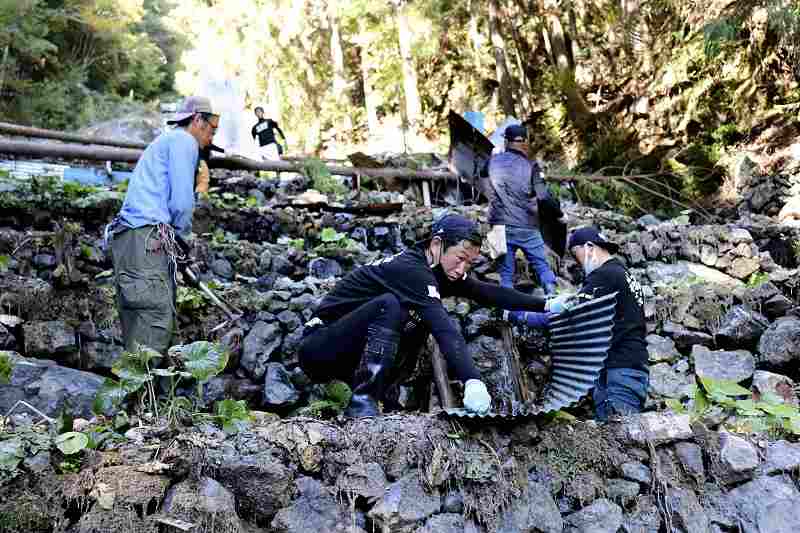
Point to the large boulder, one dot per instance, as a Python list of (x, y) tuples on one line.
[(603, 516), (780, 343), (754, 499), (405, 503), (278, 388), (316, 509), (738, 459), (261, 482), (48, 387), (741, 327), (779, 517), (668, 382), (687, 513), (736, 365), (204, 503), (660, 428), (661, 349), (775, 384), (782, 456), (53, 339), (535, 509), (260, 346)]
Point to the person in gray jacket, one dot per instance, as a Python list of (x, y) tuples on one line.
[(516, 183)]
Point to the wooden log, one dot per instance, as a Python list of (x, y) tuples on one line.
[(131, 155), (446, 396), (40, 133), (518, 375)]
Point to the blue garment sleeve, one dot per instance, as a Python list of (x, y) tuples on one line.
[(183, 155), (531, 319)]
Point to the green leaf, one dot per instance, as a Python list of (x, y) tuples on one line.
[(792, 425), (109, 397), (781, 410), (717, 388), (747, 408), (771, 398), (203, 359), (331, 235), (4, 262), (12, 451), (675, 405), (71, 442), (234, 415), (339, 393), (701, 403), (64, 422)]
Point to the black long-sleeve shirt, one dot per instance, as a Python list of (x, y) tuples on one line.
[(264, 129), (420, 289)]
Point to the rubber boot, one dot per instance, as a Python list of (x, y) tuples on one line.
[(370, 380)]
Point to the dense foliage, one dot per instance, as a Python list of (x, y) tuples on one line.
[(632, 86), (67, 62)]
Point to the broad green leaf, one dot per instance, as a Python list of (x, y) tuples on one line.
[(747, 408), (781, 410), (339, 393), (64, 422), (330, 235), (12, 451), (72, 442), (204, 359), (792, 425), (109, 397), (675, 405), (723, 387), (701, 403), (131, 378)]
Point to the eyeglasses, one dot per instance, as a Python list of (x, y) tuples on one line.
[(207, 120)]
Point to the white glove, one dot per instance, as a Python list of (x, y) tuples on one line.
[(476, 397), (559, 304)]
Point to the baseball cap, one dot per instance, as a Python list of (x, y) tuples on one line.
[(190, 106), (456, 228), (515, 133), (593, 235)]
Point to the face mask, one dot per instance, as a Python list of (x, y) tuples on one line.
[(589, 261)]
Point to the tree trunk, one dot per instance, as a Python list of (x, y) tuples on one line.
[(505, 90), (413, 108), (578, 111), (371, 98), (337, 60)]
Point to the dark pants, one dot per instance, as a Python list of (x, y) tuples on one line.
[(620, 391), (333, 351), (145, 289)]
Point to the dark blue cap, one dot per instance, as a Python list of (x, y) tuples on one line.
[(515, 133), (593, 235), (456, 228)]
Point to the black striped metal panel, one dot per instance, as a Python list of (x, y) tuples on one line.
[(579, 343)]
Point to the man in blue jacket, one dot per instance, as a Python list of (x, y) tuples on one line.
[(516, 183), (158, 206)]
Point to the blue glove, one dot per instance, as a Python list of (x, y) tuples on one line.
[(528, 318), (559, 304), (476, 397)]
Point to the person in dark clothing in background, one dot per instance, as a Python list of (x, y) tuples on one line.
[(623, 383), (390, 306), (265, 130), (516, 183)]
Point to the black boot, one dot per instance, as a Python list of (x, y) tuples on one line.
[(370, 380)]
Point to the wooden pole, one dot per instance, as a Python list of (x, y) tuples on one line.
[(26, 131), (426, 193), (440, 376), (518, 376), (131, 155)]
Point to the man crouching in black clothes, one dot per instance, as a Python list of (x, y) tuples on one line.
[(391, 305)]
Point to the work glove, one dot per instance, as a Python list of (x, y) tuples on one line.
[(476, 397), (203, 177), (528, 318), (560, 303)]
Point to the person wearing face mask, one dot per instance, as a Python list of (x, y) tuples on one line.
[(623, 383), (389, 307)]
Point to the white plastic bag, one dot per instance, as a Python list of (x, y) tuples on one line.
[(496, 241)]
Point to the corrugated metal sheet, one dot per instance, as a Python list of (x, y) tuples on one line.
[(579, 343)]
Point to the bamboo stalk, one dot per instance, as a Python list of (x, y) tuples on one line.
[(26, 131)]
